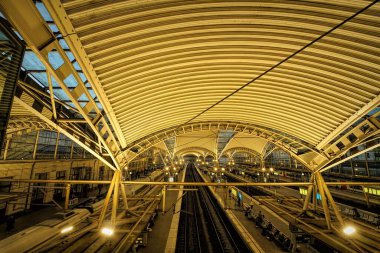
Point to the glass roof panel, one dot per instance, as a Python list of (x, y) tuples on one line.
[(43, 11), (70, 81), (31, 62), (61, 94), (63, 44)]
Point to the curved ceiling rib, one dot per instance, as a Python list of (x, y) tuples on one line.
[(200, 150), (307, 69), (300, 150), (230, 152)]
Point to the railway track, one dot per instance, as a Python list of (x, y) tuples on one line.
[(204, 226)]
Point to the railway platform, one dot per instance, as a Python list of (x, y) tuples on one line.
[(230, 204), (161, 238), (370, 218)]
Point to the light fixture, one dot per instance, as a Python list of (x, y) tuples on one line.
[(271, 169), (223, 169), (263, 169), (174, 168), (215, 168), (67, 229), (242, 173), (107, 231), (349, 230), (166, 168)]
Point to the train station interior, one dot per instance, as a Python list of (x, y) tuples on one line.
[(180, 126)]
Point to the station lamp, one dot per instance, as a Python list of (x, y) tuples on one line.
[(174, 168), (349, 230), (223, 169), (215, 168), (66, 229), (107, 231), (271, 169), (263, 169), (166, 168)]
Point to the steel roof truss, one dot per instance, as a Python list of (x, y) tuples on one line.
[(37, 35)]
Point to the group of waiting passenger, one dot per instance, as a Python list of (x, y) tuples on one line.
[(268, 230)]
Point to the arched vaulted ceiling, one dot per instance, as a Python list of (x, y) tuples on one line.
[(301, 67), (298, 72)]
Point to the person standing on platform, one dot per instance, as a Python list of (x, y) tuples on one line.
[(100, 186), (356, 213), (10, 223), (251, 204), (259, 219)]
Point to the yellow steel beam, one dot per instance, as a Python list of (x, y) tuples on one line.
[(183, 183), (64, 131), (115, 200), (325, 206), (63, 23), (106, 201), (309, 192)]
